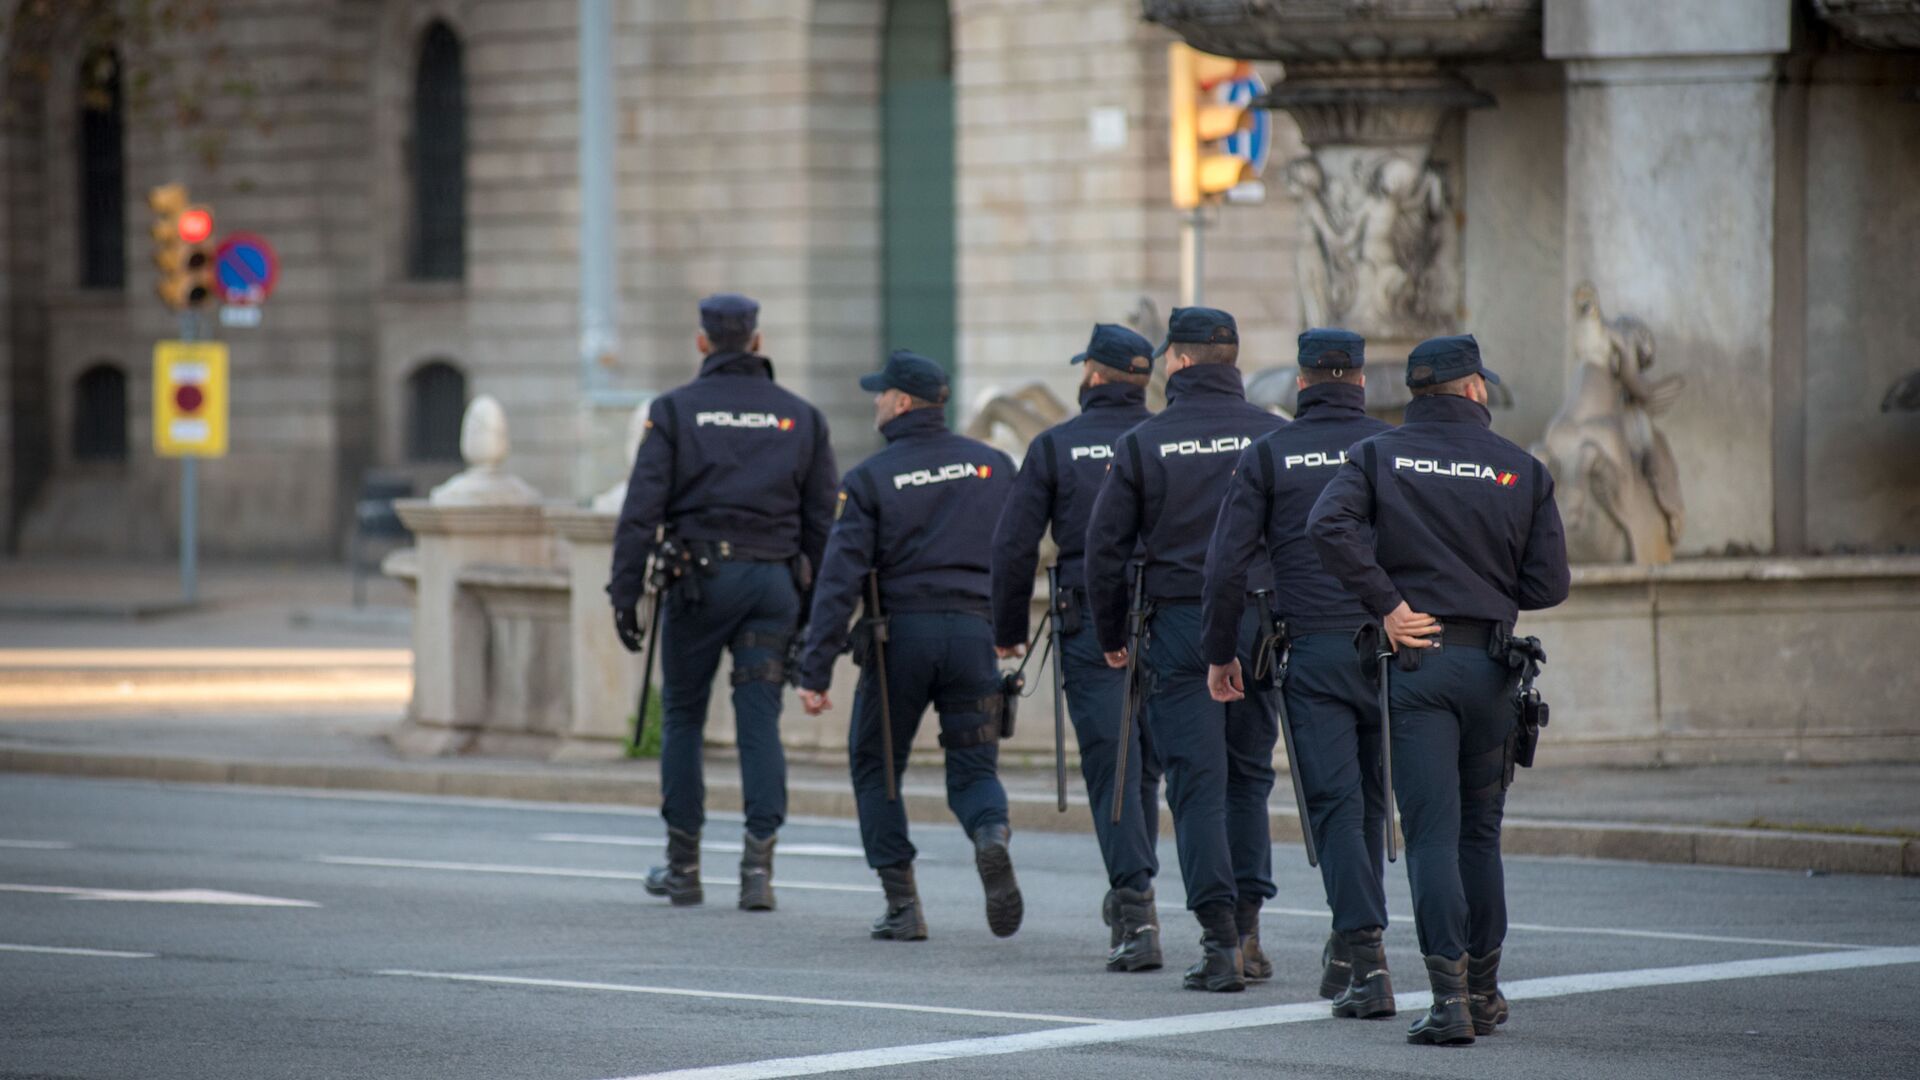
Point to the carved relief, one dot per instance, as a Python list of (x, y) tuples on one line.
[(1614, 474), (1377, 222)]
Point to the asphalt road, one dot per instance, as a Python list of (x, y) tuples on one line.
[(439, 938)]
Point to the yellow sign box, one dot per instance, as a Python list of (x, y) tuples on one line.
[(190, 399)]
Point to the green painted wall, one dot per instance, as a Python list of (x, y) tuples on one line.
[(917, 210)]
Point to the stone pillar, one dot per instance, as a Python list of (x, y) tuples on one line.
[(1670, 212), (606, 678), (484, 516)]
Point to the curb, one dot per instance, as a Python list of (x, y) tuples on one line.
[(1684, 844)]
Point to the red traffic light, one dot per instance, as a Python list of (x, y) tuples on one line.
[(188, 398), (196, 224)]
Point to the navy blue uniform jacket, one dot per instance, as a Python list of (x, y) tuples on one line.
[(1055, 489), (922, 512), (729, 456), (1164, 489), (1444, 514), (1273, 489)]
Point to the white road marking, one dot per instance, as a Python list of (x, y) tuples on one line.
[(37, 845), (1121, 1031), (111, 953), (163, 896), (568, 984), (727, 847), (471, 802), (1608, 931), (569, 872)]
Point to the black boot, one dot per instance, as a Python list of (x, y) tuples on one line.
[(1004, 906), (1336, 967), (756, 874), (679, 880), (902, 921), (1135, 942), (1219, 967), (1484, 999), (1369, 996), (1447, 1023), (1254, 964)]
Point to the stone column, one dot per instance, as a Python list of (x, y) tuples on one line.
[(483, 516), (606, 678), (1670, 212)]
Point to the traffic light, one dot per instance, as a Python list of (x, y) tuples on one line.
[(182, 248), (1201, 170)]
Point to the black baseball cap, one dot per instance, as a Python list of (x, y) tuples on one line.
[(1199, 326), (1444, 359), (1118, 348), (911, 372), (1332, 349)]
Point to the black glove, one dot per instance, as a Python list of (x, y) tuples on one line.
[(626, 623)]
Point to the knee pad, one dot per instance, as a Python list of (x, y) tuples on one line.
[(772, 670)]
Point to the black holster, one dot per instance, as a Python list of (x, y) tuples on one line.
[(1066, 609), (1525, 656)]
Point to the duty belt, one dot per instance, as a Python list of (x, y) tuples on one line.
[(713, 551), (1468, 633)]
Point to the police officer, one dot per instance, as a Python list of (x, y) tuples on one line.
[(1055, 489), (1334, 713), (739, 472), (1446, 531), (920, 513), (1163, 492)]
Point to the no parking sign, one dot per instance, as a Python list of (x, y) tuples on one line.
[(245, 269)]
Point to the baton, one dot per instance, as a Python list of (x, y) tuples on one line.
[(653, 631), (1386, 739), (1136, 626), (880, 671), (1059, 688), (1268, 656)]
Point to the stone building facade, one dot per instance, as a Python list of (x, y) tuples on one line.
[(1740, 179), (760, 146)]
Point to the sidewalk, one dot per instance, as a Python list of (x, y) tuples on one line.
[(242, 692)]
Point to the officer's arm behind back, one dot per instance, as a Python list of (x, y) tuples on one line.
[(1545, 578), (648, 488), (1340, 525), (843, 572), (1112, 531), (1236, 542), (1016, 547), (817, 494)]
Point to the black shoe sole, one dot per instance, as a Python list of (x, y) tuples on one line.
[(756, 904), (681, 898), (888, 935), (1145, 961), (1005, 908), (1217, 985), (1384, 1010), (1443, 1036)]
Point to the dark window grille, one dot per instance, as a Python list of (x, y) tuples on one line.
[(103, 190), (436, 402), (100, 414), (439, 152)]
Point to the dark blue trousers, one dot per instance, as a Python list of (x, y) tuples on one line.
[(1218, 761), (1335, 713), (1094, 694), (739, 597), (1450, 725), (938, 659)]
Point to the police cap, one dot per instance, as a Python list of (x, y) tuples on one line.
[(729, 314), (911, 372), (1332, 350), (1199, 326), (1444, 359), (1119, 348)]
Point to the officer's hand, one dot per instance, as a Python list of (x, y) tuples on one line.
[(1410, 628), (815, 701), (1223, 682), (1117, 659), (1008, 652), (626, 623)]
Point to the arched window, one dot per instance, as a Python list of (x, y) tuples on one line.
[(439, 160), (100, 414), (436, 401), (102, 208)]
